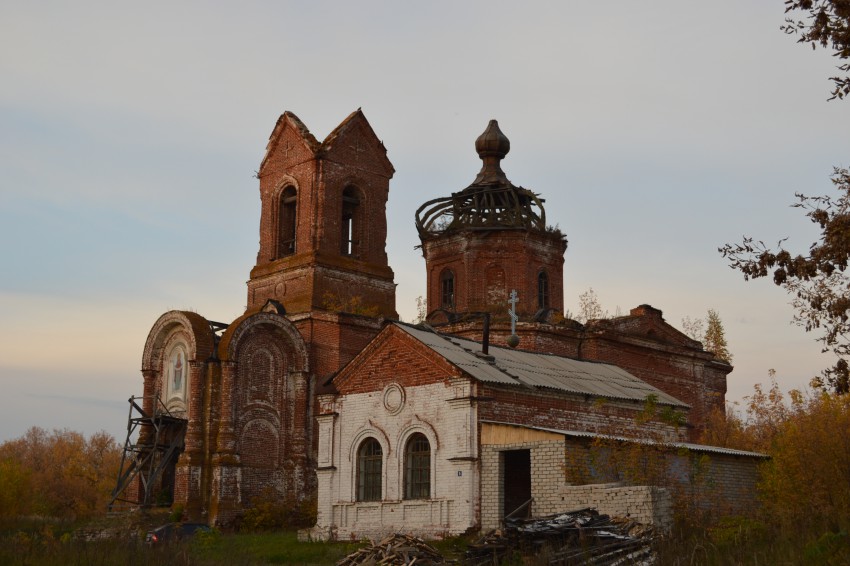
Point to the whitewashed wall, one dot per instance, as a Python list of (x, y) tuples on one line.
[(445, 414)]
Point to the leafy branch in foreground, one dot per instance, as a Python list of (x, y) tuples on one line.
[(817, 280), (828, 25)]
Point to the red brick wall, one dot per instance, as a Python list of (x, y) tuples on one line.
[(351, 157), (684, 371), (561, 411), (394, 357), (488, 265)]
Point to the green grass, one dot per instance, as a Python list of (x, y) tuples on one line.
[(39, 543), (269, 548), (736, 541)]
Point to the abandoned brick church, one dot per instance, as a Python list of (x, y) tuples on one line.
[(318, 393)]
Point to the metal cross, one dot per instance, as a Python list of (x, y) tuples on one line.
[(512, 311)]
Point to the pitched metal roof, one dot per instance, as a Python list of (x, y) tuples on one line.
[(684, 445), (505, 366)]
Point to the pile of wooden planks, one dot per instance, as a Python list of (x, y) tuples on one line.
[(395, 549), (575, 538)]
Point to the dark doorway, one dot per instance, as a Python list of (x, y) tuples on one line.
[(516, 482)]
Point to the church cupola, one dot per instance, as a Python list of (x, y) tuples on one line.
[(323, 226), (490, 238)]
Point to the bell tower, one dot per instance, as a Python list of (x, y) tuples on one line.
[(323, 226), (489, 239)]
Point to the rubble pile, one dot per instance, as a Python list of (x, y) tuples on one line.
[(581, 537), (395, 549)]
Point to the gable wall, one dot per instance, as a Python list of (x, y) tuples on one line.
[(400, 359)]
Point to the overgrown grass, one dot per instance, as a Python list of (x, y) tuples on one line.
[(40, 543), (740, 541), (734, 541)]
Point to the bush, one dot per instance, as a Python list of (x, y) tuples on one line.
[(270, 511)]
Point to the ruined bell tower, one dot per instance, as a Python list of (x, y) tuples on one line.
[(323, 226)]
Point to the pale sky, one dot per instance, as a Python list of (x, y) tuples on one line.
[(130, 133)]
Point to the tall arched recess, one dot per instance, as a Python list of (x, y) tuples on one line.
[(161, 450), (287, 222), (266, 404)]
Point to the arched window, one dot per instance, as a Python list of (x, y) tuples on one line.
[(350, 237), (287, 220), (542, 290), (369, 463), (447, 289), (417, 468)]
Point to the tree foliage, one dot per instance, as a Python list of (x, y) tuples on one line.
[(693, 328), (57, 474), (827, 25), (806, 483), (817, 279), (714, 339), (710, 332), (589, 307)]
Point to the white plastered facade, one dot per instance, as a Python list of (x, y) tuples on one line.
[(444, 414)]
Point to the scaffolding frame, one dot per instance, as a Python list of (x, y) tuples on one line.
[(148, 457)]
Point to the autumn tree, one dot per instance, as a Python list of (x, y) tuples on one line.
[(693, 328), (807, 480), (589, 308), (827, 24), (714, 339), (421, 309), (710, 332), (58, 474), (816, 279), (805, 485)]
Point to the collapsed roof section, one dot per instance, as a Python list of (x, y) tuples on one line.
[(490, 202)]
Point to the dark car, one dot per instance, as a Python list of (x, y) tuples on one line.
[(175, 532)]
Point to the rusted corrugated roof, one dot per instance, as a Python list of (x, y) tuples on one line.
[(538, 370), (676, 445)]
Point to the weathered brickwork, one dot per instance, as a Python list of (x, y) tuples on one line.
[(312, 385), (247, 395), (551, 494), (562, 411), (488, 265), (641, 343), (687, 480), (697, 478), (323, 226)]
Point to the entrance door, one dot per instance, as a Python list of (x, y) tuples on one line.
[(516, 482)]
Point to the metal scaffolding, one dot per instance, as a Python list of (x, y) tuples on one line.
[(159, 441)]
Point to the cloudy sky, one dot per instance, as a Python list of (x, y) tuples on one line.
[(130, 133)]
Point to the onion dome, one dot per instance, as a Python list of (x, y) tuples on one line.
[(490, 202)]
